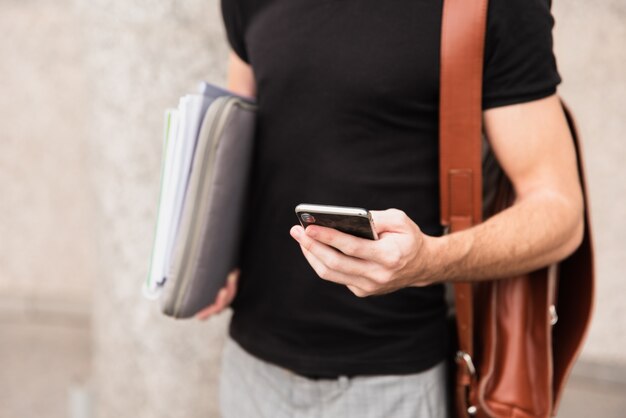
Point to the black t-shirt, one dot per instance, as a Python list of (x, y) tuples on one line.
[(348, 113)]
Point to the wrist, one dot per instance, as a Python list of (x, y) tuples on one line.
[(444, 257), (432, 260)]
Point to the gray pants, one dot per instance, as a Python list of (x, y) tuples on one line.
[(251, 388)]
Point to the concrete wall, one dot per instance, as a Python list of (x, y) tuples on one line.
[(141, 56), (47, 241), (82, 89), (589, 42)]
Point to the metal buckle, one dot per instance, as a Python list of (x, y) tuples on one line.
[(462, 355), (554, 317), (467, 359)]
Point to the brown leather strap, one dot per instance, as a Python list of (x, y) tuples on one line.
[(460, 130), (460, 107)]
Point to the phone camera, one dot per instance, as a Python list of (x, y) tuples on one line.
[(308, 218)]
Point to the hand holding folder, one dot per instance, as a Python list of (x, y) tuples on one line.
[(207, 154)]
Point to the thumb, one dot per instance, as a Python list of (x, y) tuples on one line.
[(390, 220)]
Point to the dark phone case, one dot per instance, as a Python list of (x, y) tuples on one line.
[(350, 224)]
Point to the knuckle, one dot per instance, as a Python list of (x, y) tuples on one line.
[(333, 263), (403, 217), (392, 259), (389, 276), (370, 287), (398, 213), (350, 249), (323, 272), (358, 292), (371, 276), (377, 278), (325, 236), (378, 253), (383, 277)]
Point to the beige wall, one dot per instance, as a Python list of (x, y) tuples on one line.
[(589, 41), (141, 56), (82, 87), (47, 241)]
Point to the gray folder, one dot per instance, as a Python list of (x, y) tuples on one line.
[(209, 235)]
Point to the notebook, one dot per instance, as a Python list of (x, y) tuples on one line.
[(207, 151)]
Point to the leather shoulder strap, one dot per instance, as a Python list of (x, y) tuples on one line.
[(460, 111), (460, 134)]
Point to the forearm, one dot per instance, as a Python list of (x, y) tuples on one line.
[(542, 228)]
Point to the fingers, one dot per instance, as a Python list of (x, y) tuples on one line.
[(383, 252), (217, 307), (360, 286), (346, 243), (326, 273), (223, 299), (331, 258), (231, 286), (331, 265)]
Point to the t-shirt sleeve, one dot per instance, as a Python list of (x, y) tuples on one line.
[(519, 62), (234, 25)]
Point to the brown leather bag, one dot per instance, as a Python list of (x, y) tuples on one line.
[(513, 355)]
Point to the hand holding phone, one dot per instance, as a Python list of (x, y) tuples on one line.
[(401, 256)]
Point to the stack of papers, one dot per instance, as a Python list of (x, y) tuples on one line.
[(180, 137)]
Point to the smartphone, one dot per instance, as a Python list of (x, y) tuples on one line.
[(353, 221)]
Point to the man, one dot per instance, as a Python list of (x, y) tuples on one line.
[(347, 95)]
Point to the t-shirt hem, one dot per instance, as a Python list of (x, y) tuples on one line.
[(493, 102), (331, 368)]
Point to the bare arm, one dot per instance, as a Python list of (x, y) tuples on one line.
[(240, 78), (533, 144)]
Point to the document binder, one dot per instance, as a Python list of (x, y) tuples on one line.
[(204, 183)]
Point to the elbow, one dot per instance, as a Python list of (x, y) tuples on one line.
[(575, 239), (574, 236)]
